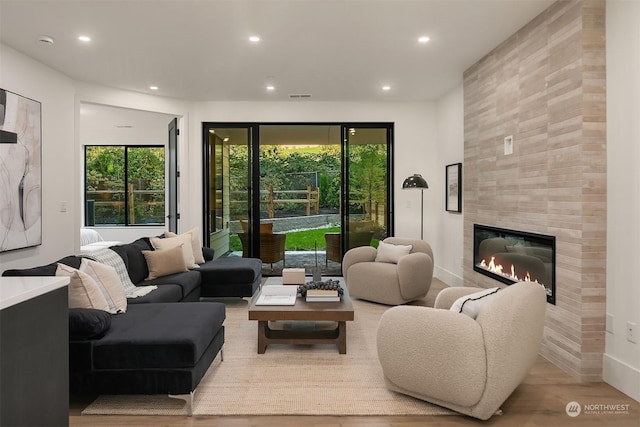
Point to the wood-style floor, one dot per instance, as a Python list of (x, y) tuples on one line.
[(539, 401)]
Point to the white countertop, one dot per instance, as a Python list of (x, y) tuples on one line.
[(14, 290)]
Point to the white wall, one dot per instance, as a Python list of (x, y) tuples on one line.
[(102, 125), (137, 104), (622, 358), (448, 245), (60, 235)]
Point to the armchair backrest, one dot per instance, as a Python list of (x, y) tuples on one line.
[(512, 325), (417, 244)]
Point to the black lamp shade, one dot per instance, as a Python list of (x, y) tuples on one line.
[(415, 181)]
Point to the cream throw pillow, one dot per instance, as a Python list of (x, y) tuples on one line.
[(164, 262), (196, 246), (472, 304), (183, 240), (108, 282), (83, 290), (391, 253)]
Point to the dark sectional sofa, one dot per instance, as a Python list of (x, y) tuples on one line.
[(167, 339)]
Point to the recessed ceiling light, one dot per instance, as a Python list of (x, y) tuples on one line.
[(386, 87), (85, 39), (46, 39), (271, 88), (423, 39), (254, 39), (153, 87)]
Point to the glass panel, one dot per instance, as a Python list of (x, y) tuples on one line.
[(228, 201), (367, 194), (105, 178), (145, 185)]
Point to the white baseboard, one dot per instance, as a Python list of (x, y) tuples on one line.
[(621, 376), (447, 277)]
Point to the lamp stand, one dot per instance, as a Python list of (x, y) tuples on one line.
[(421, 214)]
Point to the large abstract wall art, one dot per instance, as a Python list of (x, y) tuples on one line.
[(20, 172)]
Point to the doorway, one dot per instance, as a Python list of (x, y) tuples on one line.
[(297, 194)]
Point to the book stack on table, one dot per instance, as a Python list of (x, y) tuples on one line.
[(322, 295)]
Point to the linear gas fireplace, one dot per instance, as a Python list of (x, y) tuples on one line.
[(512, 256)]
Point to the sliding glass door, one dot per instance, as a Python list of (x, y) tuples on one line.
[(296, 194), (366, 182), (228, 180)]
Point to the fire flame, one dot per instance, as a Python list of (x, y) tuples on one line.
[(498, 269)]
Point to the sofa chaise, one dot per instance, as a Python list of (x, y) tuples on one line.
[(167, 338)]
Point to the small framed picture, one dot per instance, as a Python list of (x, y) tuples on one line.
[(453, 195)]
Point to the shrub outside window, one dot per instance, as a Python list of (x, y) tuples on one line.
[(124, 185)]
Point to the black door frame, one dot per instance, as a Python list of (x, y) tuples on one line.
[(254, 178)]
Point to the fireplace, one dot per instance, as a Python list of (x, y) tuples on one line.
[(512, 256)]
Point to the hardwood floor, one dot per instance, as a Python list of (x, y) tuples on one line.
[(539, 401)]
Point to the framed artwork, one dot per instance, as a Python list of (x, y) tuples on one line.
[(20, 172), (453, 197)]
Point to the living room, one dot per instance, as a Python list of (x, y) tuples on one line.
[(429, 135)]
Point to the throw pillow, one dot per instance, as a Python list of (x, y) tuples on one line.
[(392, 253), (88, 323), (183, 241), (83, 290), (472, 304), (109, 283), (196, 246), (165, 262)]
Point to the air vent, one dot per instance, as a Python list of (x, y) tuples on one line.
[(299, 95)]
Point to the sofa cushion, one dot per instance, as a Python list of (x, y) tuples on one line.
[(472, 304), (230, 270), (165, 293), (45, 270), (108, 282), (83, 290), (196, 246), (163, 262), (88, 323), (156, 336), (182, 241), (136, 263), (188, 281)]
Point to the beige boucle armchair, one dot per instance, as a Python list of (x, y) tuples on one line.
[(449, 359), (388, 283)]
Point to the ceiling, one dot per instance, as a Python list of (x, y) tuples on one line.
[(199, 50)]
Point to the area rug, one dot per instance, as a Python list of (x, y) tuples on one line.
[(287, 379)]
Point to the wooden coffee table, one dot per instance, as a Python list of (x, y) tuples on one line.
[(302, 311)]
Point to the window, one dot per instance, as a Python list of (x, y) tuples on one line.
[(124, 185)]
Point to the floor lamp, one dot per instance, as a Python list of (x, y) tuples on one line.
[(417, 182)]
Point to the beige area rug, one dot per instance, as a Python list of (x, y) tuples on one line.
[(287, 379)]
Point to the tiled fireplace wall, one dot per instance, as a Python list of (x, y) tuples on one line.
[(545, 85)]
